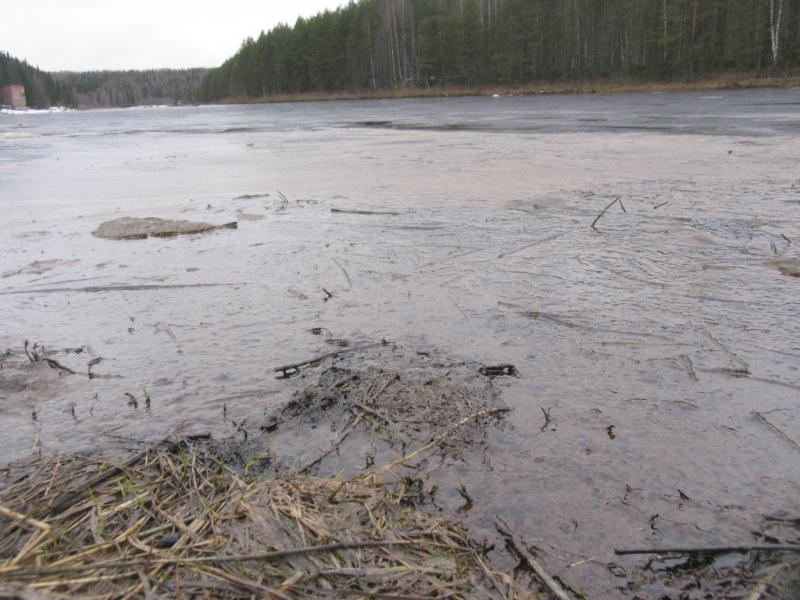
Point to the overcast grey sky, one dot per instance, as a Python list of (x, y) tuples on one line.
[(82, 35)]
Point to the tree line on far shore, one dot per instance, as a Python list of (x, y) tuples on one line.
[(41, 90), (387, 44), (94, 89), (372, 45)]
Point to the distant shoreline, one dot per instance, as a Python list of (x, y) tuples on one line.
[(729, 81)]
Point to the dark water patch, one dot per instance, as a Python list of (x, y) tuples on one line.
[(419, 227), (165, 131), (242, 130), (372, 124), (641, 128)]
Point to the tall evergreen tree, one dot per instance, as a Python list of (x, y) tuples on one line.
[(374, 44), (41, 90)]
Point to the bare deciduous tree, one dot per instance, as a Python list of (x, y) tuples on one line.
[(775, 21)]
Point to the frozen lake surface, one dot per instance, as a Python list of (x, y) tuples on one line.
[(665, 344)]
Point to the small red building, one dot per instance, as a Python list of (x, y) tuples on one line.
[(13, 95)]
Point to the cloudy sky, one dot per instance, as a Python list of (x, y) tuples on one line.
[(140, 34)]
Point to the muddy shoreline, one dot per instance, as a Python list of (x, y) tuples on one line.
[(283, 506), (654, 402), (725, 81), (380, 420)]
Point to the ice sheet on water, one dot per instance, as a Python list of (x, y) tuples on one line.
[(35, 111)]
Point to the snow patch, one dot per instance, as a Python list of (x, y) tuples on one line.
[(35, 111)]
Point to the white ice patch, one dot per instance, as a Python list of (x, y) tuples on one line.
[(147, 106), (34, 111), (17, 135)]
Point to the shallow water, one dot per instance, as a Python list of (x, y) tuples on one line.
[(650, 340)]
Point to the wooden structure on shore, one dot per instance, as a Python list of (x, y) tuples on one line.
[(13, 95)]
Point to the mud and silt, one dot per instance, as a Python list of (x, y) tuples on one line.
[(380, 406), (656, 356), (371, 414), (132, 228)]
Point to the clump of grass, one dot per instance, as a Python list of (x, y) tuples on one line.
[(174, 521)]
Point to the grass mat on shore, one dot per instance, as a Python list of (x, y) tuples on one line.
[(173, 521)]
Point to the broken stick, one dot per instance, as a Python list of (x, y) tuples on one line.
[(54, 364), (761, 418), (612, 203), (293, 369), (364, 212), (519, 549), (713, 549), (345, 273)]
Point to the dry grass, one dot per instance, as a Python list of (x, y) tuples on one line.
[(724, 81), (173, 521)]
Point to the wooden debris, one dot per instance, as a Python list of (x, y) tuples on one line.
[(499, 371), (762, 419), (345, 273), (548, 420), (612, 203), (713, 549), (251, 196), (519, 549), (291, 370), (364, 212)]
